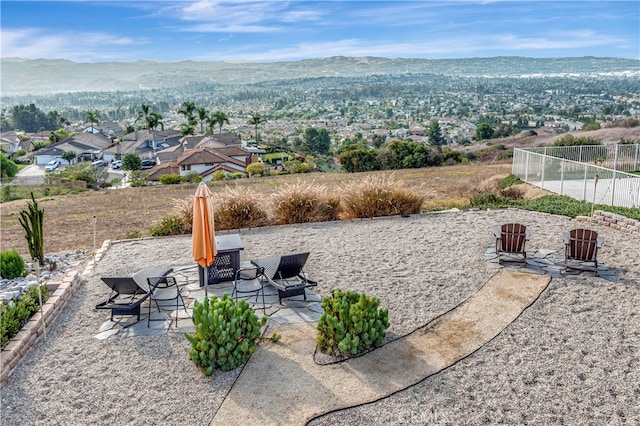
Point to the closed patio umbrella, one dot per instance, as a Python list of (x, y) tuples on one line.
[(203, 232)]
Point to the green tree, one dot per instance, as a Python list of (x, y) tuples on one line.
[(155, 120), (30, 118), (131, 161), (188, 110), (92, 117), (203, 118), (255, 120), (187, 129), (359, 160), (315, 140), (144, 114), (59, 135), (435, 133), (219, 118), (484, 131), (68, 156), (7, 167)]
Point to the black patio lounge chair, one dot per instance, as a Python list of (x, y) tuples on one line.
[(286, 274), (128, 293), (249, 280), (165, 289)]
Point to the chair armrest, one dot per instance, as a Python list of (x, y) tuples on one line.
[(496, 231), (600, 242)]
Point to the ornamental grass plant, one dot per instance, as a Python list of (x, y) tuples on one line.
[(379, 195), (238, 208), (303, 202)]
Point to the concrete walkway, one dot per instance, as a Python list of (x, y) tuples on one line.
[(281, 383)]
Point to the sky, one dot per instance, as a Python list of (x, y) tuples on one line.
[(273, 31)]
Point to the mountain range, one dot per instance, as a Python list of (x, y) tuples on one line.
[(44, 76)]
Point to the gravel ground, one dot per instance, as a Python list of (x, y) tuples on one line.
[(573, 357)]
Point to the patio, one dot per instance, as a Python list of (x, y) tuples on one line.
[(290, 311)]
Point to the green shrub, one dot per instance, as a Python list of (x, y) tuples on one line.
[(304, 202), (351, 323), (218, 176), (171, 179), (225, 334), (509, 181), (11, 264), (302, 168), (235, 175), (377, 196), (238, 208), (193, 177), (16, 314), (489, 200), (255, 169)]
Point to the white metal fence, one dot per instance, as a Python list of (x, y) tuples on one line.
[(623, 158), (579, 180)]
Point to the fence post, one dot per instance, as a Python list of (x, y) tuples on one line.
[(580, 155), (613, 185), (615, 159), (544, 158), (635, 161), (584, 191), (526, 168), (562, 177)]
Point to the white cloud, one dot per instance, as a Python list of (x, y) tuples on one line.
[(78, 46)]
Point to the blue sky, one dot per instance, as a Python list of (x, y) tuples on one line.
[(100, 31)]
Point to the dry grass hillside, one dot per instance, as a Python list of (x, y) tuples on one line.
[(523, 140), (125, 212)]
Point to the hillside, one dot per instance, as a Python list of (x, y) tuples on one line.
[(67, 220), (42, 77)]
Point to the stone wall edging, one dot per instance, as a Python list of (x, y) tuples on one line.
[(33, 330), (612, 220)]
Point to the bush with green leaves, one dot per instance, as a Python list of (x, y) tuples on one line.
[(225, 334), (255, 169), (351, 323), (171, 179), (234, 175), (138, 178), (379, 195), (16, 314), (218, 176), (11, 264), (304, 202)]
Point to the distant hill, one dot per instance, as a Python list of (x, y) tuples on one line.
[(43, 76)]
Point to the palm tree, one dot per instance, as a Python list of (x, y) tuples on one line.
[(187, 109), (155, 120), (203, 117), (219, 117), (144, 114), (92, 117), (255, 120), (187, 129)]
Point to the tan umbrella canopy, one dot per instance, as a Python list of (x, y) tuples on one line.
[(203, 232)]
